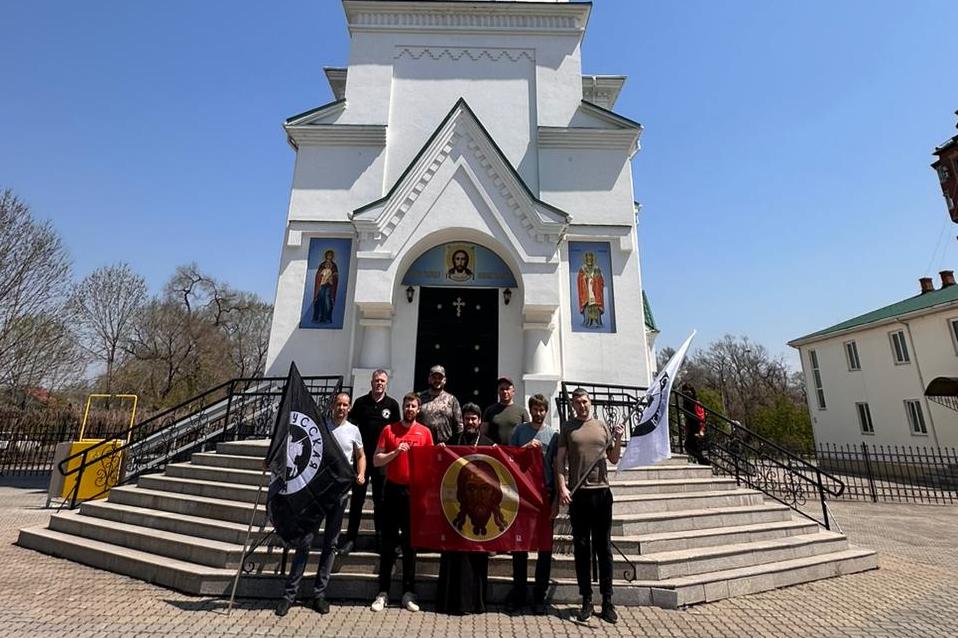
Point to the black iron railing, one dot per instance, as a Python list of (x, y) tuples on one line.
[(760, 463), (732, 448), (235, 410), (892, 473)]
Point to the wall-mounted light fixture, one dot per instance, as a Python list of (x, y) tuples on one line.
[(410, 294), (507, 296)]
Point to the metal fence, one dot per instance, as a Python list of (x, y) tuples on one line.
[(28, 437), (901, 474)]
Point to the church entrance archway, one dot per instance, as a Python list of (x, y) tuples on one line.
[(459, 329)]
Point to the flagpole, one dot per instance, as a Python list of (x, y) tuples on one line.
[(249, 531)]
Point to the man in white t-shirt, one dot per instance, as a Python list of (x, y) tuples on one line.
[(350, 441)]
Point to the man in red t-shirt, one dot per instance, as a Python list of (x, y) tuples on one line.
[(392, 451)]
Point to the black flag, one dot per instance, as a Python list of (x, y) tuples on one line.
[(310, 471)]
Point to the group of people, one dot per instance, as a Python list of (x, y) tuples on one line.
[(376, 434)]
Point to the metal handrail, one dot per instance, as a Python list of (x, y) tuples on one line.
[(193, 423)]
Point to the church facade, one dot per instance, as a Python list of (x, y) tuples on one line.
[(466, 200)]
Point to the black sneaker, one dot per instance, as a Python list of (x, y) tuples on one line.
[(585, 613), (346, 547), (321, 605), (609, 614), (282, 608)]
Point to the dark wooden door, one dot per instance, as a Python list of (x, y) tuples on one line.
[(459, 330)]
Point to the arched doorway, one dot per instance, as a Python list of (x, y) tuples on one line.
[(460, 286)]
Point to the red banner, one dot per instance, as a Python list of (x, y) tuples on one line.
[(479, 499)]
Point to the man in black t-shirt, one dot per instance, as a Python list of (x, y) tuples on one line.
[(371, 413), (500, 419)]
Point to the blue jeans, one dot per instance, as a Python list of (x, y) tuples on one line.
[(334, 521)]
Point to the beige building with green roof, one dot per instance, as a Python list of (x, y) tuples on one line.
[(866, 377)]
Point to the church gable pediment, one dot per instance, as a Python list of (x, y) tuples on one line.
[(462, 140)]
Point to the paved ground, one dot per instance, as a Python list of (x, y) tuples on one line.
[(913, 594)]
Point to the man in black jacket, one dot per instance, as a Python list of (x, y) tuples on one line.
[(371, 412)]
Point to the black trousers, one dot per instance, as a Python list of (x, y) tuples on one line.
[(396, 530), (358, 499), (591, 516), (520, 578), (694, 446)]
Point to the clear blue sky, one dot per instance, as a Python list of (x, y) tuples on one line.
[(784, 171)]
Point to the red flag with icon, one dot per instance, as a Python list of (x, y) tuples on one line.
[(479, 499)]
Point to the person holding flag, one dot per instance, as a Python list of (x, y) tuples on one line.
[(314, 461), (392, 452), (586, 443)]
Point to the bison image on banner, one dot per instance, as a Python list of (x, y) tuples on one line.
[(488, 499)]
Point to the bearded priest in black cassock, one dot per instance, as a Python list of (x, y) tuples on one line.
[(463, 575)]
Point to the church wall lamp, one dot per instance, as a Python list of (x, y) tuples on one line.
[(507, 296), (410, 294)]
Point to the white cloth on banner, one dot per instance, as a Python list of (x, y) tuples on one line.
[(650, 438)]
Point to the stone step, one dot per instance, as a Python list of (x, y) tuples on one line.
[(655, 472), (647, 503), (689, 539), (190, 505), (228, 475), (692, 519), (701, 560), (181, 547), (671, 485), (204, 489), (197, 526), (713, 586), (672, 593), (256, 448), (214, 459)]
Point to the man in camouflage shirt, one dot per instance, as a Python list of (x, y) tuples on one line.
[(439, 411)]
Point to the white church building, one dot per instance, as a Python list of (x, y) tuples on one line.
[(465, 200)]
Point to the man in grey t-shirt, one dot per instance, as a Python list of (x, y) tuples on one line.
[(586, 443)]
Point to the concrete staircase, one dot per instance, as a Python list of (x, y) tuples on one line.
[(693, 537)]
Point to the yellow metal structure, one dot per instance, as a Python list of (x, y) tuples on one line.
[(103, 463)]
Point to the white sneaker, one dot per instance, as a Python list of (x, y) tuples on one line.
[(409, 602), (380, 603)]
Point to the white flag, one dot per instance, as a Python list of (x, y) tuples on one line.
[(650, 438)]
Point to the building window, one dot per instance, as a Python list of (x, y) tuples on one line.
[(899, 348), (916, 419), (865, 418), (851, 356), (953, 331), (817, 379)]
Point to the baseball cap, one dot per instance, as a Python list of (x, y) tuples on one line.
[(437, 369)]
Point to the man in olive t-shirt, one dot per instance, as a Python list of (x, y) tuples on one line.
[(586, 444), (502, 418)]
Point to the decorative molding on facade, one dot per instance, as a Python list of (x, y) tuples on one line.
[(460, 130), (457, 54), (602, 90), (590, 138), (336, 76), (371, 15), (337, 134)]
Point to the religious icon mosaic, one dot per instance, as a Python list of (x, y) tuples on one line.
[(459, 264), (327, 275), (590, 283)]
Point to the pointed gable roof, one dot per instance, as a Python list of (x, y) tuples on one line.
[(381, 216)]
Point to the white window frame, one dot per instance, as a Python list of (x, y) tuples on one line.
[(904, 348), (865, 423), (916, 417), (817, 379), (851, 356), (953, 331)]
